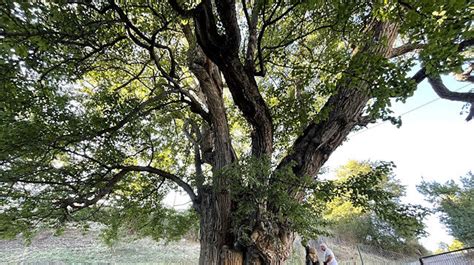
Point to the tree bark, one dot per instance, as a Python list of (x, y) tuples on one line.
[(271, 242), (312, 149), (216, 239), (223, 50), (215, 202)]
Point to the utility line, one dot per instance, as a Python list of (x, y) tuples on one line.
[(409, 111)]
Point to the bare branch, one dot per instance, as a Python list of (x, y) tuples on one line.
[(134, 113), (150, 44), (282, 15), (443, 92), (255, 40), (86, 200), (96, 50), (194, 129), (288, 42), (133, 78), (127, 21), (151, 41), (181, 183)]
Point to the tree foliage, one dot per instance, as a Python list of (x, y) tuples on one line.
[(105, 106), (455, 202), (370, 225)]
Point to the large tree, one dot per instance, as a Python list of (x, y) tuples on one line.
[(107, 105)]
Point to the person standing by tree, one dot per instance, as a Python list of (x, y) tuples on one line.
[(311, 256), (329, 258)]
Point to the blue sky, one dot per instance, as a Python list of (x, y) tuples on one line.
[(434, 143)]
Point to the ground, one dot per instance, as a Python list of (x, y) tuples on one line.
[(76, 247)]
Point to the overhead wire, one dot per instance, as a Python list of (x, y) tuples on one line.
[(409, 111)]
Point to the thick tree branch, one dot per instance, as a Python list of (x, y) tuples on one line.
[(252, 40), (419, 76), (406, 48), (211, 85), (241, 82), (443, 92), (312, 149), (364, 120), (228, 16)]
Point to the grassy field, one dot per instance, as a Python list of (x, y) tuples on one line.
[(75, 247)]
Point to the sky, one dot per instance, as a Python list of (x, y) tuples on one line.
[(434, 143)]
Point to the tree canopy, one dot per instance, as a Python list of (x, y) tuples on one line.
[(455, 202), (105, 106), (383, 223)]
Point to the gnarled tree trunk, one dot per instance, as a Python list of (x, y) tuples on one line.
[(212, 54), (215, 235), (219, 245)]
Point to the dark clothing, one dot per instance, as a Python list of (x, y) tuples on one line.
[(309, 261)]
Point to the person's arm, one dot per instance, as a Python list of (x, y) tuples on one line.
[(328, 260)]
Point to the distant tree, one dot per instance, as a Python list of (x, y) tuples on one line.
[(105, 106), (455, 202), (443, 247), (455, 245), (365, 224)]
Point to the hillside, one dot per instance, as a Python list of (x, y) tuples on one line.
[(74, 246)]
